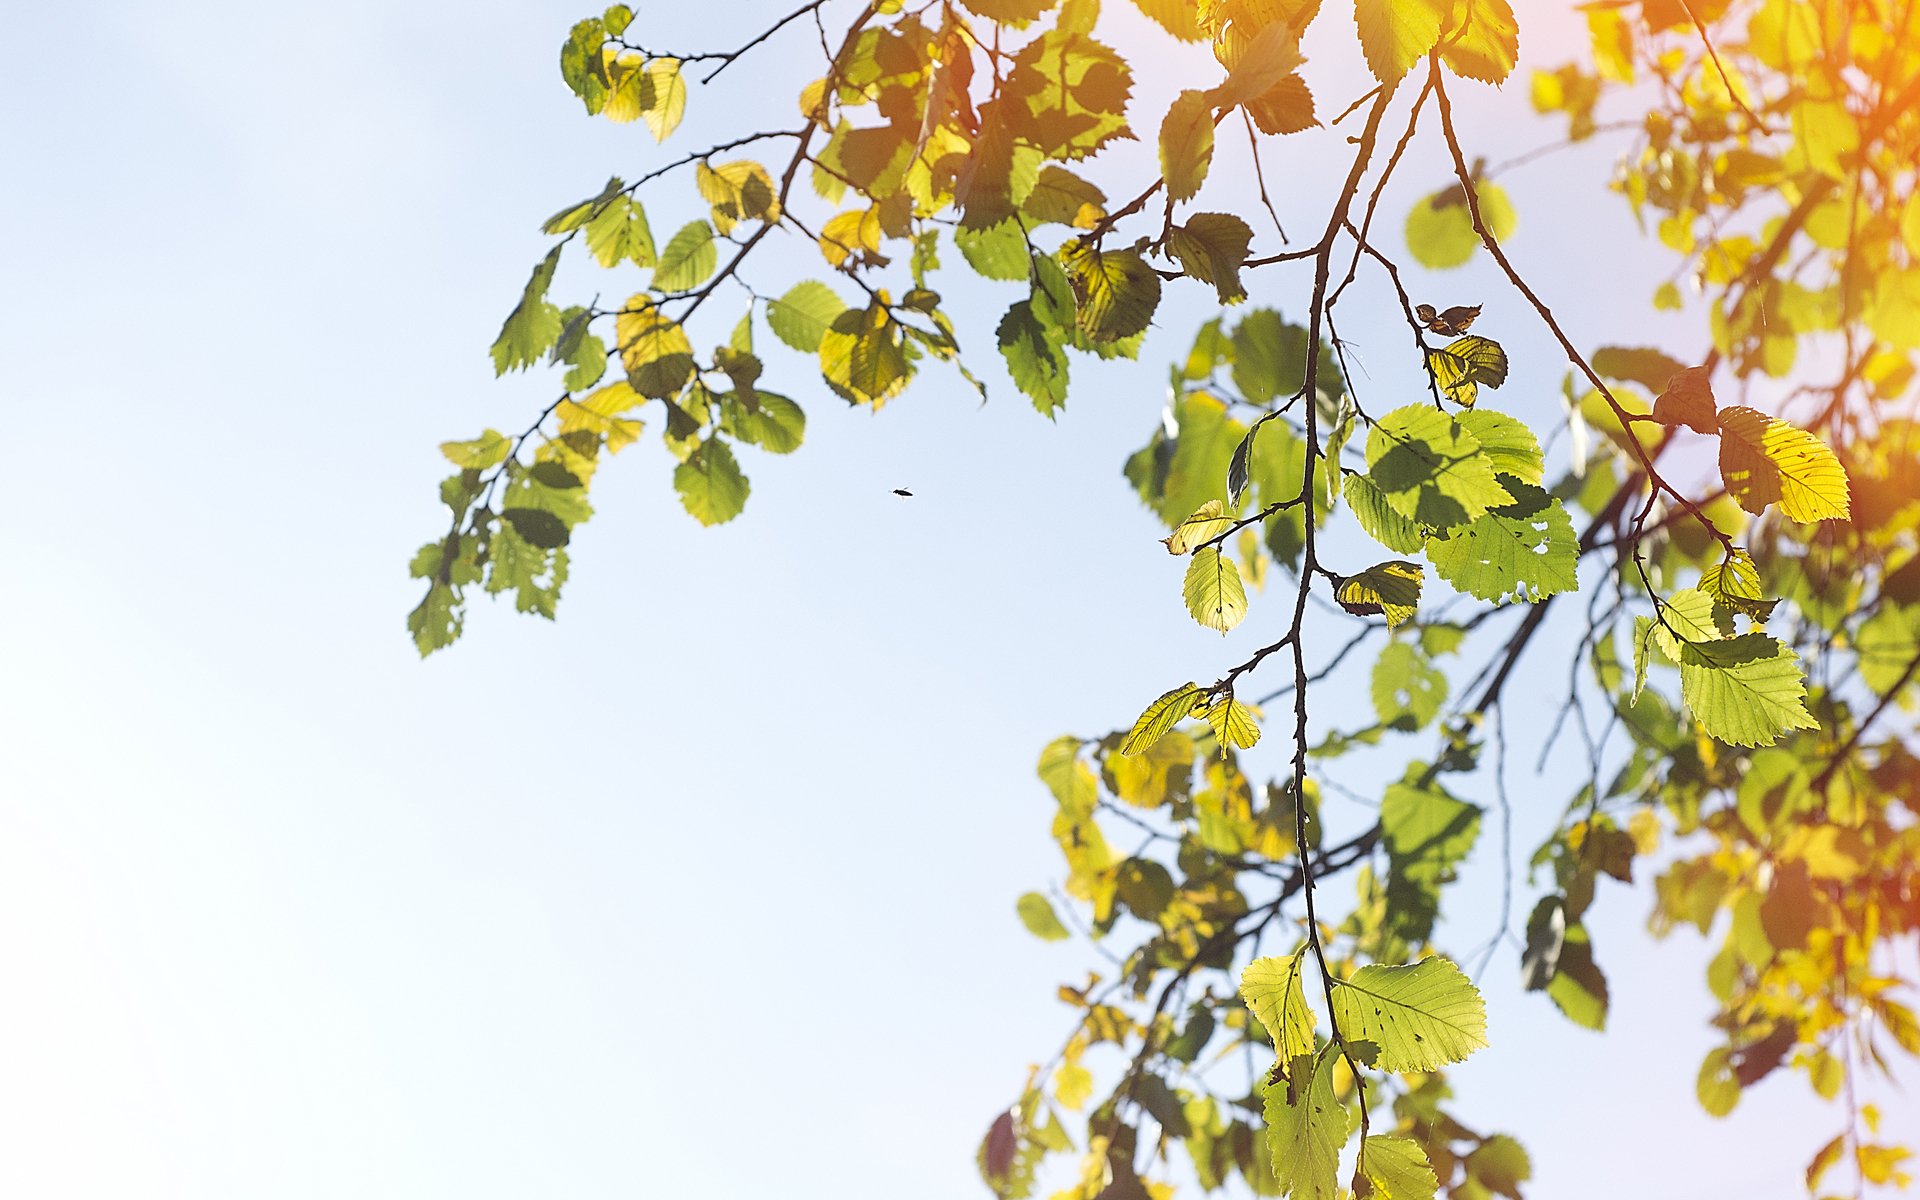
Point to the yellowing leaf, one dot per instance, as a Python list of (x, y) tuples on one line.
[(1274, 994), (1115, 292), (1161, 716), (653, 348), (1233, 723), (738, 191), (1208, 521), (1764, 460), (601, 412), (1390, 589), (1216, 595)]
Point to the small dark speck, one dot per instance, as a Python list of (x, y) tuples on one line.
[(902, 492)]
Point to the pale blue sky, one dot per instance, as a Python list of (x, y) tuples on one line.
[(705, 890)]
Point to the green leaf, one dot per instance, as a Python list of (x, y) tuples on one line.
[(1036, 357), (619, 233), (1577, 988), (1274, 993), (1440, 229), (1690, 615), (437, 620), (775, 423), (1764, 460), (1233, 723), (1407, 690), (537, 527), (1431, 470), (1507, 442), (1500, 1164), (1038, 916), (802, 316), (1398, 1168), (575, 215), (533, 573), (1378, 518), (1526, 550), (533, 325), (710, 483), (998, 251), (1717, 1086), (1745, 691), (1306, 1127), (1422, 1016), (1270, 357), (1395, 34), (1186, 144), (1115, 292), (1216, 596), (689, 259), (1390, 589), (1211, 247), (1160, 717), (1546, 937), (1650, 368), (488, 450), (1735, 582)]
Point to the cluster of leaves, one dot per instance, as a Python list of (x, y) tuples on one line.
[(1752, 581)]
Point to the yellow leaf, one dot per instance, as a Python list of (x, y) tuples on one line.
[(1391, 589), (600, 413), (1765, 460)]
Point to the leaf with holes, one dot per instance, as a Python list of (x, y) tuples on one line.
[(1422, 1016)]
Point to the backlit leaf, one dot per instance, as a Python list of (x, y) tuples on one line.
[(1398, 1168), (1390, 589), (1422, 1016), (1395, 34), (1745, 691), (1274, 993), (802, 316), (1764, 460), (1160, 717), (710, 483), (1186, 144), (688, 260), (1215, 594), (1233, 723), (1038, 916), (1306, 1127)]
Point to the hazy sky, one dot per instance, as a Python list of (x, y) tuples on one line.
[(706, 889)]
